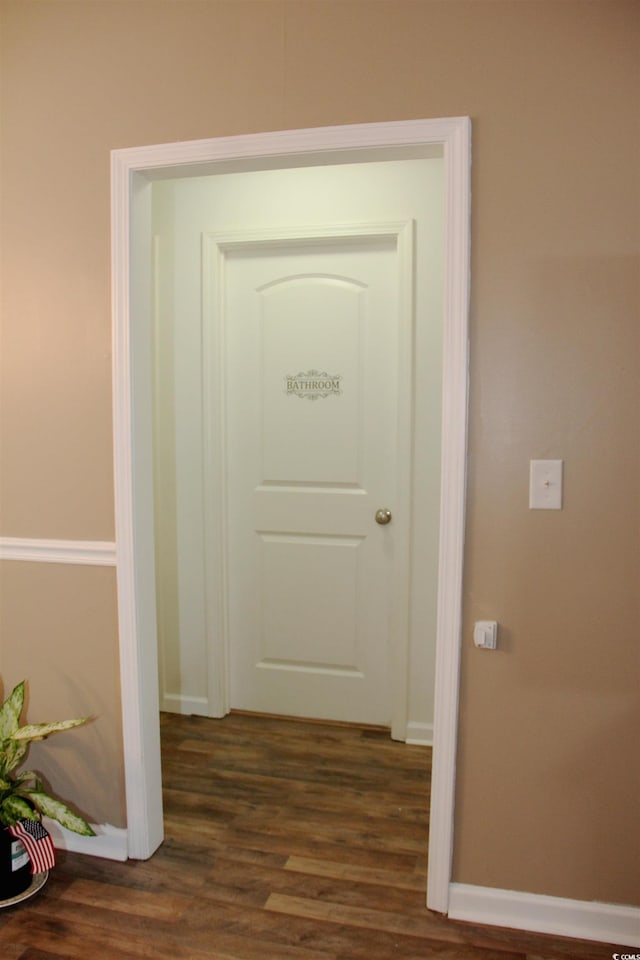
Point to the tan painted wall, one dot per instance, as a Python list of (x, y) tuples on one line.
[(58, 628), (548, 775)]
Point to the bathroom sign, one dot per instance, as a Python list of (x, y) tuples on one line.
[(313, 384)]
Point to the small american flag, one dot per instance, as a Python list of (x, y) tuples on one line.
[(37, 842)]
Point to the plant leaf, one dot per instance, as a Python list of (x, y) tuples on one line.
[(59, 811), (38, 731), (25, 776), (12, 753), (16, 808), (10, 712)]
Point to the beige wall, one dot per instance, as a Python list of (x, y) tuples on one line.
[(548, 775), (58, 628)]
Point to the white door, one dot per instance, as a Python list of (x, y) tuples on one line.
[(317, 332)]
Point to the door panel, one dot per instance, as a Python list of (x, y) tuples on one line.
[(312, 334), (300, 316), (323, 575)]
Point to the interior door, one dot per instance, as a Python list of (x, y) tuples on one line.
[(315, 348)]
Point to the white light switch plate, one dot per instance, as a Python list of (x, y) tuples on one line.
[(545, 484)]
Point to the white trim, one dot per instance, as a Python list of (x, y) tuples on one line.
[(452, 507), (604, 922), (97, 553), (109, 842), (132, 172), (405, 451), (420, 734), (187, 706), (130, 228), (195, 157), (214, 444)]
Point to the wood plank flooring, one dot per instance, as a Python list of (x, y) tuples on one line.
[(284, 841)]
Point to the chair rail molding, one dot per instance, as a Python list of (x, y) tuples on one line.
[(96, 553)]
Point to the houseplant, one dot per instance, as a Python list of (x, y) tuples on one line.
[(23, 799)]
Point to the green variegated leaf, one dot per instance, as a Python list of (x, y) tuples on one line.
[(22, 796), (25, 776), (12, 753), (10, 712), (16, 808), (38, 731), (60, 812)]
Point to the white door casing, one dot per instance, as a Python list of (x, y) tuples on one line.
[(316, 599), (133, 171)]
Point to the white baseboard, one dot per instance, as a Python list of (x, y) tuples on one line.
[(581, 919), (420, 733), (176, 703), (110, 842), (99, 553)]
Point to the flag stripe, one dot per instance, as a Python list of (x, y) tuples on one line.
[(37, 843)]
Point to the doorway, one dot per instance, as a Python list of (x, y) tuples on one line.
[(133, 174), (261, 278)]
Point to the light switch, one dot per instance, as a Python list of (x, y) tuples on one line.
[(545, 484)]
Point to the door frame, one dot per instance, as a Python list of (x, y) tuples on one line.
[(133, 171)]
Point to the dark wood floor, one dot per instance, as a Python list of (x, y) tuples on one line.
[(284, 841)]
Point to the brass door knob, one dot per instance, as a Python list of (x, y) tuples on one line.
[(383, 516)]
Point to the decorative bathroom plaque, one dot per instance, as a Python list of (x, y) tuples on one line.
[(313, 384)]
